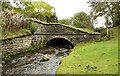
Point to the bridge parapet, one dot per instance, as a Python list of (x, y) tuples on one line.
[(57, 28)]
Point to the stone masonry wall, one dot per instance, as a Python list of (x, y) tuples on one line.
[(21, 42), (16, 43), (55, 29)]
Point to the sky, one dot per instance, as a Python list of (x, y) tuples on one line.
[(67, 8)]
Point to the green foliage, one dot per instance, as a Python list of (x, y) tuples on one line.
[(116, 12), (6, 5), (32, 27), (112, 9), (20, 32), (103, 34), (81, 19), (13, 18), (66, 21), (12, 21), (102, 31), (13, 24), (53, 18), (39, 10)]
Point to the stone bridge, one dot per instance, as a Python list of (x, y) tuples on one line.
[(56, 34), (49, 34)]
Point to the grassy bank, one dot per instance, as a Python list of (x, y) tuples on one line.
[(21, 32), (92, 58)]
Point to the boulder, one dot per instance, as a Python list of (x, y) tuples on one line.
[(45, 58)]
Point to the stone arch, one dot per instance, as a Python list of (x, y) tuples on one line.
[(60, 42)]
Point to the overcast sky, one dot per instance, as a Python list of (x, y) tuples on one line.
[(67, 8)]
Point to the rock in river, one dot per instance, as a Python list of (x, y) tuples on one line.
[(45, 58)]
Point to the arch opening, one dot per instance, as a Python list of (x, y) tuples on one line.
[(60, 42)]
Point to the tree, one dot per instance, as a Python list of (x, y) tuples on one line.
[(6, 5), (52, 18), (81, 19), (39, 10), (65, 21), (116, 13), (112, 9)]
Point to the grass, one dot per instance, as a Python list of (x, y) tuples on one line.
[(13, 34), (92, 58)]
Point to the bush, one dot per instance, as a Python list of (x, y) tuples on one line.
[(12, 21), (32, 27), (103, 32)]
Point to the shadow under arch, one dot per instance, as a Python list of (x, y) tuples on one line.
[(60, 42)]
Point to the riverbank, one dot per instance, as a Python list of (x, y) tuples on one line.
[(92, 58), (21, 32)]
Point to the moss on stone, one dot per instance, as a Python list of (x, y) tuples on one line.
[(8, 55), (84, 30)]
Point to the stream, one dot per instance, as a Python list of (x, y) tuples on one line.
[(44, 61)]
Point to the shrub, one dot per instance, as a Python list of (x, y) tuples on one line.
[(103, 32), (32, 27), (12, 21)]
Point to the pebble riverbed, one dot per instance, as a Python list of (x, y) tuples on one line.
[(33, 64)]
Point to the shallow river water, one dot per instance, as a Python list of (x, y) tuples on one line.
[(34, 63)]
